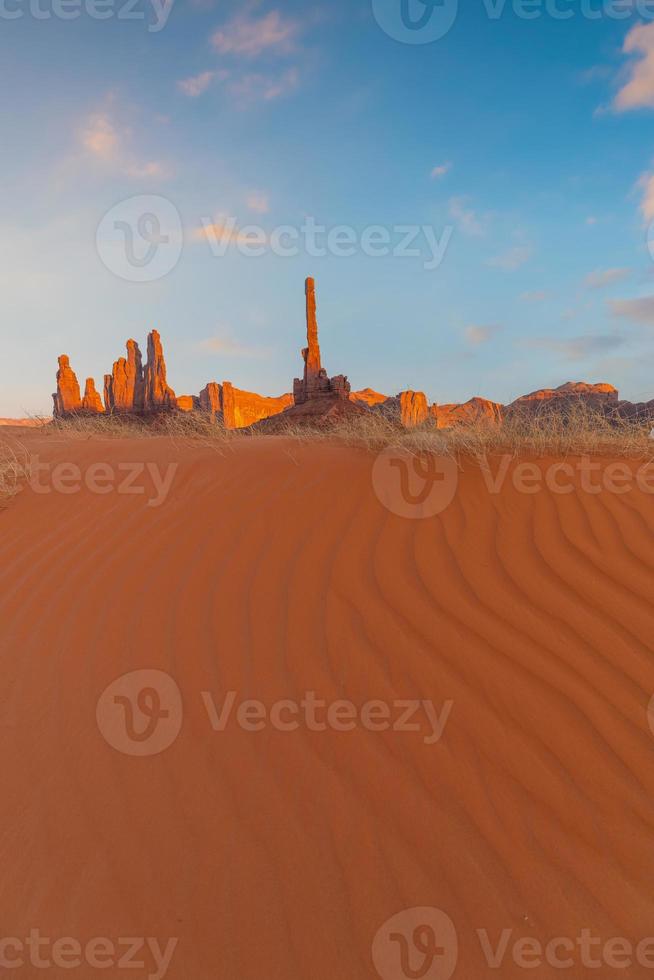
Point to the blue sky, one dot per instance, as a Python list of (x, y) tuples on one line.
[(525, 145)]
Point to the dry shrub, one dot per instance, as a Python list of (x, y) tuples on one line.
[(15, 467)]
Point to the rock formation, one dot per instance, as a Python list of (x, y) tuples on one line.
[(367, 396), (124, 387), (414, 409), (598, 395), (187, 403), (470, 412), (67, 398), (91, 402), (211, 398), (317, 399), (409, 408), (315, 384), (158, 395), (243, 408)]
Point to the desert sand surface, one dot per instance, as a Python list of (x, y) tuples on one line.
[(271, 569)]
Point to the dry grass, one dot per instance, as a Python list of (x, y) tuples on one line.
[(182, 426), (15, 468), (577, 429)]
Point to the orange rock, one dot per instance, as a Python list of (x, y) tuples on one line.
[(186, 403), (91, 402), (211, 398), (315, 383), (123, 388), (414, 408), (474, 410), (158, 395), (67, 398), (243, 408), (598, 393), (367, 396)]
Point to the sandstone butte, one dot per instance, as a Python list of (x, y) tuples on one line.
[(143, 390)]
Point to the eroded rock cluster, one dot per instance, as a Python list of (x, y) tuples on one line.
[(136, 389)]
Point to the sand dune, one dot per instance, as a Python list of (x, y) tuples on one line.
[(273, 570)]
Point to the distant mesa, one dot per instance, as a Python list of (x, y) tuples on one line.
[(143, 391)]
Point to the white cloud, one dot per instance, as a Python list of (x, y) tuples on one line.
[(639, 310), (512, 259), (440, 171), (605, 277), (477, 335), (646, 183), (197, 84), (250, 36), (256, 87), (258, 201), (222, 231), (108, 143), (579, 348), (466, 218), (226, 345), (638, 91)]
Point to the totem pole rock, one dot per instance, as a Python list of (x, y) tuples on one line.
[(67, 398)]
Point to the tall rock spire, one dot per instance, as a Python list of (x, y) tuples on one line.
[(311, 353), (315, 383), (68, 397), (124, 386), (157, 394)]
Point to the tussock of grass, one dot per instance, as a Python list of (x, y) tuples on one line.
[(180, 425), (576, 429), (14, 469)]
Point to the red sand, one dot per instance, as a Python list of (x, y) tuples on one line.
[(273, 570)]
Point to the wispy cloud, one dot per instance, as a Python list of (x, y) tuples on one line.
[(228, 346), (196, 84), (579, 348), (512, 259), (639, 310), (258, 87), (250, 37), (258, 202), (535, 296), (221, 231), (105, 141), (467, 219), (646, 184), (440, 171), (477, 335), (638, 90), (601, 278)]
